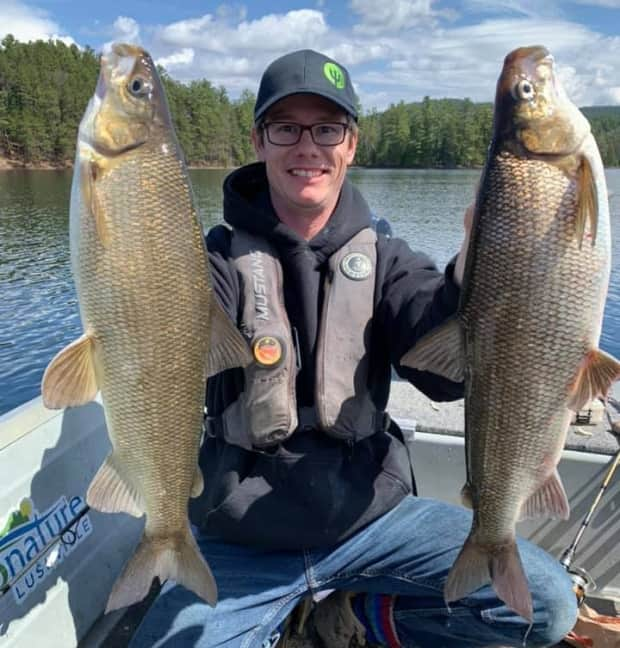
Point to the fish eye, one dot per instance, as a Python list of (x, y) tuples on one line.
[(138, 87), (523, 90)]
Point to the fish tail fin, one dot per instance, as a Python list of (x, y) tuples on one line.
[(176, 558), (478, 565)]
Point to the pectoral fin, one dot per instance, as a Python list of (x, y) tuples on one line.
[(595, 375), (69, 379), (587, 203), (110, 493), (198, 483), (549, 500), (441, 352), (90, 171), (227, 348), (466, 496)]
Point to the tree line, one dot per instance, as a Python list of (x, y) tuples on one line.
[(45, 87)]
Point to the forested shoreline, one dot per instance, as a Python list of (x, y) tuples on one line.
[(45, 86)]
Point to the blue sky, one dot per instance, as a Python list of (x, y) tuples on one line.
[(395, 49)]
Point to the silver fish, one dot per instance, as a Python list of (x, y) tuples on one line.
[(526, 336), (153, 329)]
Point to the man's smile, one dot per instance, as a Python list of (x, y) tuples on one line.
[(308, 173)]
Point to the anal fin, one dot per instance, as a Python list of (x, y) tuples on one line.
[(70, 379), (596, 374), (549, 500), (227, 347), (110, 493)]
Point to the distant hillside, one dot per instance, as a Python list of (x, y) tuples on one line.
[(448, 133), (45, 86), (605, 121), (600, 111)]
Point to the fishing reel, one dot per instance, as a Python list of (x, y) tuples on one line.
[(583, 583)]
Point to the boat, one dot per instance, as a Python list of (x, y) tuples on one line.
[(59, 558)]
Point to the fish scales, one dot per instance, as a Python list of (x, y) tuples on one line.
[(153, 330), (528, 316), (525, 339), (147, 279)]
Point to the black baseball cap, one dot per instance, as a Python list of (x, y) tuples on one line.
[(305, 71)]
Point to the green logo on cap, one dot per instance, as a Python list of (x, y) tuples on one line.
[(334, 74)]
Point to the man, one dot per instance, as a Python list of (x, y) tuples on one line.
[(308, 484)]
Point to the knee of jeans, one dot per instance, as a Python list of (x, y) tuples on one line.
[(555, 610)]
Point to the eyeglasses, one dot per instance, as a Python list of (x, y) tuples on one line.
[(289, 133)]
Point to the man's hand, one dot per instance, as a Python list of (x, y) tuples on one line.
[(459, 267)]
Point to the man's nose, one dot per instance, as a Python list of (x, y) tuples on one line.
[(306, 141)]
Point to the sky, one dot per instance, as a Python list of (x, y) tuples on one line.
[(395, 50)]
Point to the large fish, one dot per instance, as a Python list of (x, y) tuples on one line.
[(526, 336), (152, 327)]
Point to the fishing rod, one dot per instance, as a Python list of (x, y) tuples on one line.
[(582, 581)]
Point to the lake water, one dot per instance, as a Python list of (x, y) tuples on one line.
[(38, 305)]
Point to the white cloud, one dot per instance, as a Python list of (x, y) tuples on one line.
[(608, 4), (28, 23), (527, 8), (273, 32), (428, 55), (231, 13), (181, 58), (388, 16), (356, 52), (126, 30), (397, 50), (466, 61)]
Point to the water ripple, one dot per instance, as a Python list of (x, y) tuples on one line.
[(39, 311)]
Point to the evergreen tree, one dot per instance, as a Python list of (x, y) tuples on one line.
[(45, 87)]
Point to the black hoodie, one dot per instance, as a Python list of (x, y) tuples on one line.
[(313, 490)]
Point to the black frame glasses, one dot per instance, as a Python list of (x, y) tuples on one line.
[(283, 133)]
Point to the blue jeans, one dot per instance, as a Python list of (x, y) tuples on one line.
[(407, 552)]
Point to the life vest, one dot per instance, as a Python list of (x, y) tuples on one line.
[(266, 412)]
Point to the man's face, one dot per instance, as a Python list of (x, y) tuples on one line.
[(305, 178)]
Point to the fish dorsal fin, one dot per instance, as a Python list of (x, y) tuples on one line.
[(587, 204), (227, 348), (198, 484), (548, 501), (596, 374), (110, 493), (90, 172), (70, 379), (441, 352)]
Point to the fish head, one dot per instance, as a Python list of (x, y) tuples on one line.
[(533, 115), (129, 105)]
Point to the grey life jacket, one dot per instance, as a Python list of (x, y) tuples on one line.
[(266, 412)]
